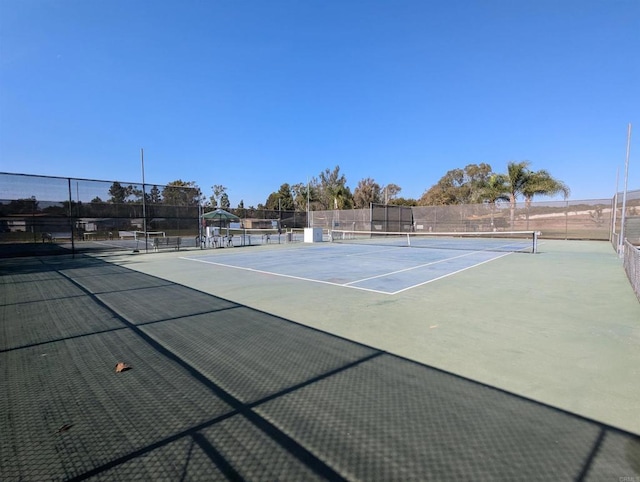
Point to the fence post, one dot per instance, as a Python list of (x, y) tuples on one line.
[(71, 223)]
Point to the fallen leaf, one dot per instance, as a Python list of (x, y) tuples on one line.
[(64, 428), (122, 367)]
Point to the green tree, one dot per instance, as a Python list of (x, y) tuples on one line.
[(272, 202), (119, 193), (477, 176), (284, 198), (136, 193), (298, 192), (153, 200), (367, 192), (516, 179), (333, 190), (448, 190), (224, 201), (23, 206), (218, 191), (458, 186), (522, 181), (302, 193), (389, 193), (343, 199), (155, 196), (181, 193), (495, 189), (241, 212), (99, 208), (401, 201), (540, 183)]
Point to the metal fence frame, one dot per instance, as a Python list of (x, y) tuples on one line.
[(72, 205), (631, 264), (582, 219), (36, 209)]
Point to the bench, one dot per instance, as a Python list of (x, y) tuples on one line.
[(52, 237), (168, 242)]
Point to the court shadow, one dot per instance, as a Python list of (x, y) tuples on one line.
[(220, 391)]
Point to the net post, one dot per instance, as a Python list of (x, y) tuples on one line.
[(535, 242)]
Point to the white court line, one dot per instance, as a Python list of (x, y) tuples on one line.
[(449, 274), (283, 275), (391, 248), (413, 267), (350, 283)]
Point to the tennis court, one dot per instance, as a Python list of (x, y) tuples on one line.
[(255, 363), (382, 269)]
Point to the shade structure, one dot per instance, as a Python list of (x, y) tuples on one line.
[(220, 215)]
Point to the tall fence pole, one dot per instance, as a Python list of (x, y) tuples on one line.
[(566, 220), (615, 209), (308, 199), (624, 194), (144, 205), (71, 223)]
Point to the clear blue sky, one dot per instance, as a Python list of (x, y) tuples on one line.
[(252, 94)]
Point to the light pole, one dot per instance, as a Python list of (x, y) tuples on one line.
[(308, 220), (624, 195)]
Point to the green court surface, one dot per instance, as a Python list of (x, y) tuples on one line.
[(525, 366)]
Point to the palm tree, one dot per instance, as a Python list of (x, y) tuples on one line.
[(541, 183), (494, 189), (523, 181), (518, 175)]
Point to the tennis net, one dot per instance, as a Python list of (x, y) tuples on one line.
[(140, 235), (503, 241), (256, 236)]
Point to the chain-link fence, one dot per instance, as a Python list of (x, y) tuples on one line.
[(586, 219), (353, 219), (631, 217), (82, 214), (270, 218), (390, 218), (66, 215), (632, 266), (625, 235)]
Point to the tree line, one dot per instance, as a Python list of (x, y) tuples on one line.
[(475, 183)]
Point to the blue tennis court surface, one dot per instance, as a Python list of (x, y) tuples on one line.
[(388, 270)]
